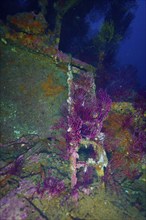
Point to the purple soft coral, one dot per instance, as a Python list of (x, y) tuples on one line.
[(52, 186), (85, 116), (103, 105), (13, 168)]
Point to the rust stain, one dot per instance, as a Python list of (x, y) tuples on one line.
[(22, 88), (5, 179), (51, 88)]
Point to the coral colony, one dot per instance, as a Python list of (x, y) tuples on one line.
[(86, 114)]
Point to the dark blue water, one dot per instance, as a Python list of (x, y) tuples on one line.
[(133, 48)]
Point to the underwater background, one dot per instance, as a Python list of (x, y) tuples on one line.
[(73, 110)]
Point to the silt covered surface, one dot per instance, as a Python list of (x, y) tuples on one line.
[(33, 90)]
